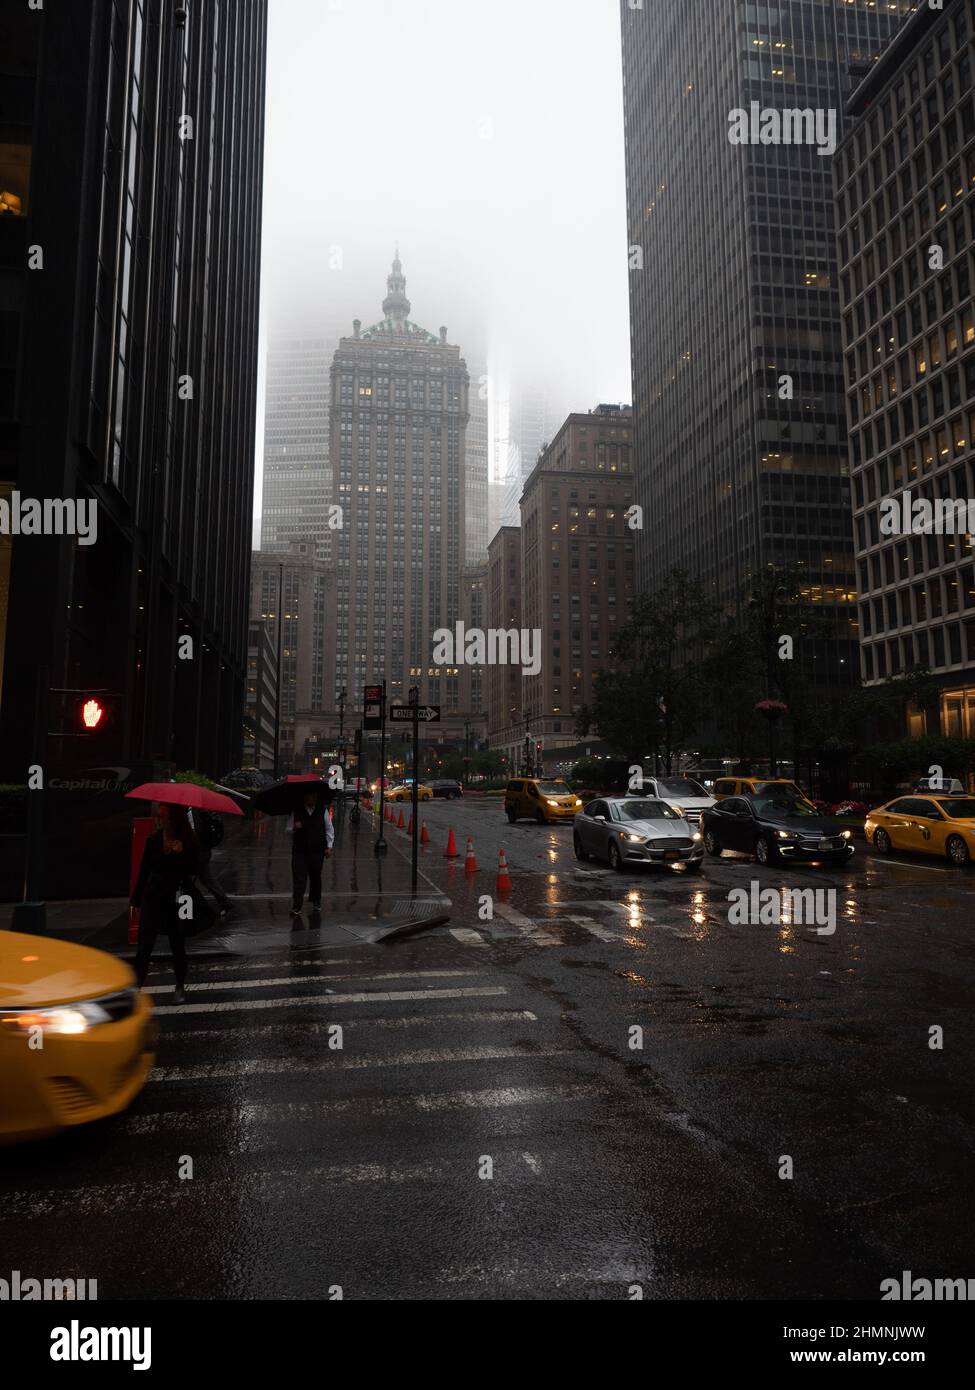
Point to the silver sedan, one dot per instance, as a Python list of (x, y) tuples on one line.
[(636, 830)]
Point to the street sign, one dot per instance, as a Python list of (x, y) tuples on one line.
[(403, 714), (373, 707)]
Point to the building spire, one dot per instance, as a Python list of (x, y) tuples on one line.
[(396, 306)]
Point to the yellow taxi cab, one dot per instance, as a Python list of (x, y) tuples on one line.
[(942, 825), (754, 786), (76, 1036), (405, 793), (540, 799)]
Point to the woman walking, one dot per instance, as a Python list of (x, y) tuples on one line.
[(169, 861)]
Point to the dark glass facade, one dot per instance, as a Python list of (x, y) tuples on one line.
[(131, 134), (737, 291), (905, 181)]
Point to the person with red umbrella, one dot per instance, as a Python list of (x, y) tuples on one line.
[(170, 861)]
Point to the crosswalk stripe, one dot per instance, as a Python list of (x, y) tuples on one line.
[(199, 987), (594, 929), (467, 937), (527, 929), (301, 1001), (313, 1030), (298, 1112), (337, 1061)]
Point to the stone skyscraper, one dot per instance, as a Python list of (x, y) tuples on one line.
[(733, 288), (399, 414)]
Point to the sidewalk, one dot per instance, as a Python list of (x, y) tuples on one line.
[(363, 895)]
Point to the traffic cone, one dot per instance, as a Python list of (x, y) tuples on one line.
[(470, 863), (503, 884), (451, 852), (401, 823), (424, 834)]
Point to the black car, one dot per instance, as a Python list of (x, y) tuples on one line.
[(774, 828), (446, 787)]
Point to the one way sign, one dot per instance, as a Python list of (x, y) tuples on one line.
[(426, 714)]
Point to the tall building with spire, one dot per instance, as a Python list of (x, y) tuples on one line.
[(399, 415)]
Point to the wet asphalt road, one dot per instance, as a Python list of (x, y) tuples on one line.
[(486, 1129)]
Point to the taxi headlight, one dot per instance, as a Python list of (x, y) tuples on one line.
[(64, 1019), (578, 802), (552, 803)]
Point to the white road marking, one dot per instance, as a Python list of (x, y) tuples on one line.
[(242, 1034), (527, 929), (337, 1061), (214, 985), (429, 1103), (594, 929), (303, 1000), (467, 937)]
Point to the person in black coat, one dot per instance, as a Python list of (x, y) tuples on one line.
[(170, 859), (313, 836)]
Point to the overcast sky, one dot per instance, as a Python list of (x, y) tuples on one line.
[(486, 139)]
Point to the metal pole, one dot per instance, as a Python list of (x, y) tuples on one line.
[(381, 846), (342, 736), (415, 700), (277, 698)]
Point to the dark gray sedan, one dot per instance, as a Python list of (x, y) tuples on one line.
[(627, 830)]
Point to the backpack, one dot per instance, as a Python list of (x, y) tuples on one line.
[(210, 831)]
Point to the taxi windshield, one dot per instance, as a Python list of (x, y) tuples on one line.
[(555, 789), (961, 808)]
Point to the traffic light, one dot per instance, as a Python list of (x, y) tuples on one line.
[(94, 713)]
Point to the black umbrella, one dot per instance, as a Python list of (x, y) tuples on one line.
[(286, 796)]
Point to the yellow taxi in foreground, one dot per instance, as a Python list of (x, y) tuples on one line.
[(942, 825), (76, 1036), (541, 799), (405, 793)]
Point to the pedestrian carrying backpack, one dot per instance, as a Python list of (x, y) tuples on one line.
[(211, 830)]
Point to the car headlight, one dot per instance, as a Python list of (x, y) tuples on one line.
[(847, 834), (784, 835), (65, 1019), (696, 835), (553, 803), (578, 802)]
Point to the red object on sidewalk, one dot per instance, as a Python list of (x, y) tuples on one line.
[(142, 828), (185, 794), (401, 823), (451, 852), (470, 863), (503, 884), (424, 834)]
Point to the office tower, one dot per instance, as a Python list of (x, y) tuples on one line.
[(476, 468), (475, 615), (576, 565), (260, 703), (129, 277), (740, 449), (297, 486), (299, 585), (506, 729), (399, 419), (905, 178)]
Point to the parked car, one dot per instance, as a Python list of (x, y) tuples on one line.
[(943, 825), (404, 792), (683, 793), (626, 830), (355, 786), (446, 787), (754, 786), (94, 1027), (540, 799), (780, 826)]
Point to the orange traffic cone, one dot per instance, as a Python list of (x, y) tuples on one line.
[(401, 823), (451, 852), (424, 834), (470, 863), (503, 884)]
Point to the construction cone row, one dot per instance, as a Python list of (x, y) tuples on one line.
[(470, 863), (503, 884)]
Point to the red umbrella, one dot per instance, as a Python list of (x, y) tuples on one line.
[(185, 794)]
